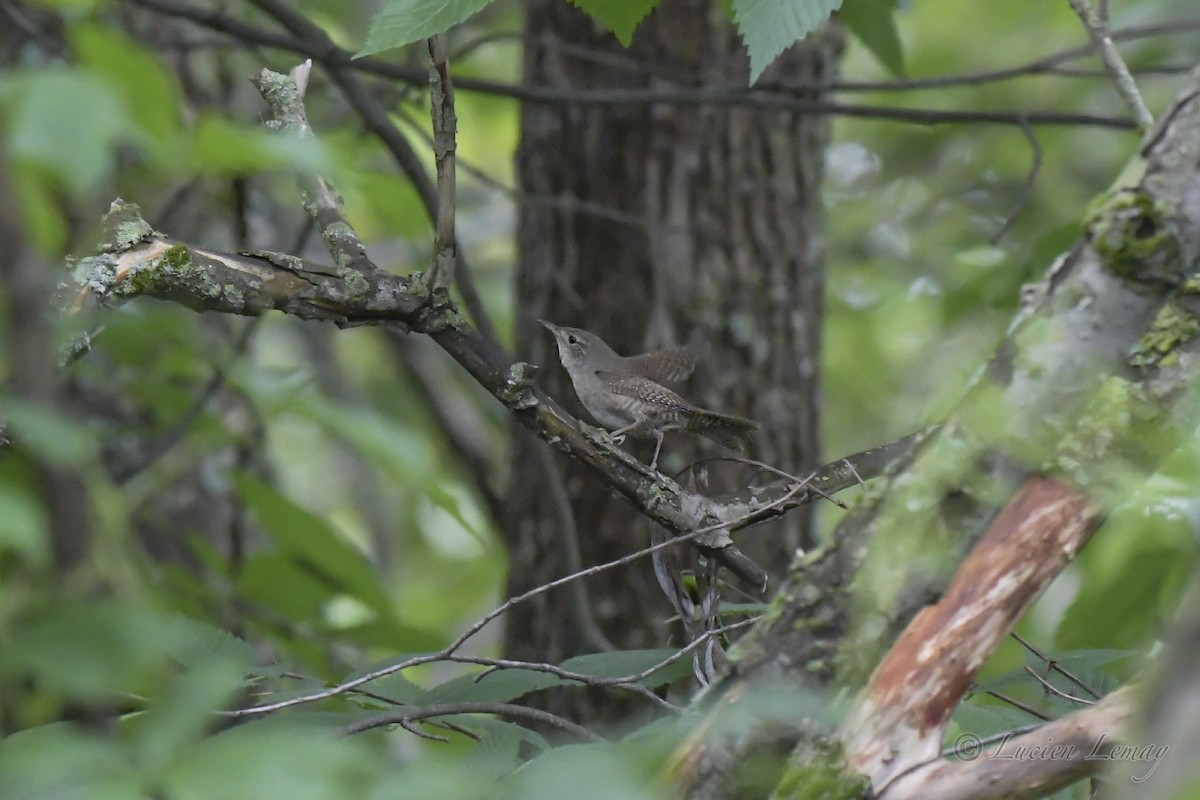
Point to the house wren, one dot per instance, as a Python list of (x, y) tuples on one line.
[(625, 396)]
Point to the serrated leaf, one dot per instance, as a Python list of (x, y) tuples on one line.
[(620, 663), (207, 642), (620, 16), (402, 22), (497, 750), (873, 22), (496, 687), (768, 27)]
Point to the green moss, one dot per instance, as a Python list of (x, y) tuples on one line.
[(124, 227), (418, 285), (1129, 230), (284, 96), (357, 286), (234, 295), (1118, 434), (441, 313), (1159, 345), (819, 773), (178, 257)]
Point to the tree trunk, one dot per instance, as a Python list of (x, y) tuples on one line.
[(647, 224)]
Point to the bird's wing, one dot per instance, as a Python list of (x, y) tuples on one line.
[(642, 388), (673, 364)]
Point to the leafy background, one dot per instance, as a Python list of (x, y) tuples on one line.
[(359, 539)]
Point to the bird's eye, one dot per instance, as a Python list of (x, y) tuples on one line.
[(571, 339)]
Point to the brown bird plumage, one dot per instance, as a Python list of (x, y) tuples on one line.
[(625, 394)]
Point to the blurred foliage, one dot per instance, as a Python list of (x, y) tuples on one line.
[(273, 504)]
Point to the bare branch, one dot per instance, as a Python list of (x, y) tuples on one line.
[(339, 62), (1025, 766), (314, 42)]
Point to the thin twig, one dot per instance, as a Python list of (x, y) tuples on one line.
[(339, 62), (183, 425), (1055, 690), (623, 681), (1026, 192), (419, 713), (479, 624), (581, 604), (1054, 665), (1033, 712), (1096, 25), (445, 131)]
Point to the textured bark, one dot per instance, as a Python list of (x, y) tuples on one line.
[(1095, 385), (713, 224)]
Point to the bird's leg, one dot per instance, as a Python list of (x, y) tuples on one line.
[(658, 439), (618, 435)]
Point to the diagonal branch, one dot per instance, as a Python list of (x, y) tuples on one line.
[(898, 720), (251, 284), (1027, 765), (1096, 23)]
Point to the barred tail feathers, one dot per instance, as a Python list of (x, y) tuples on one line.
[(724, 429)]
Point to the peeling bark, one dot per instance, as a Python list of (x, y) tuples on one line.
[(1095, 385)]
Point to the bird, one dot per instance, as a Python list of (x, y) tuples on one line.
[(626, 395)]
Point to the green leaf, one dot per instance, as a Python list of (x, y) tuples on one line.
[(90, 651), (273, 758), (401, 22), (395, 686), (768, 27), (311, 543), (206, 643), (275, 581), (179, 719), (873, 22), (985, 719), (583, 772), (620, 16), (137, 74), (499, 746), (495, 687), (67, 121), (63, 762), (48, 435), (399, 450), (40, 207), (22, 523), (1125, 609), (221, 147), (620, 663)]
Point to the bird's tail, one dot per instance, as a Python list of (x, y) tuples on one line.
[(724, 429)]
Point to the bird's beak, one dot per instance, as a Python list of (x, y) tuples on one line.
[(549, 325)]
